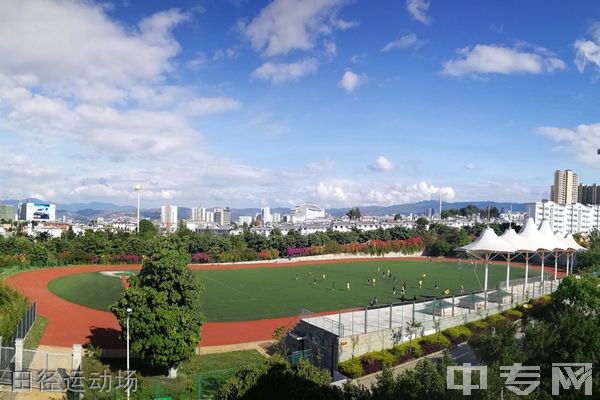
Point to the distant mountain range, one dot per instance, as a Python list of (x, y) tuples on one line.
[(86, 211)]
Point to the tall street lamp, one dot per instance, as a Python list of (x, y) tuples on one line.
[(128, 383), (138, 189)]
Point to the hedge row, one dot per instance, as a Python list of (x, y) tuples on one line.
[(373, 362), (13, 307)]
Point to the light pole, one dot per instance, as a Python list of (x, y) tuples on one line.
[(138, 189), (128, 383)]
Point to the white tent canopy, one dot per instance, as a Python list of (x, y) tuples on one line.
[(520, 243), (488, 241), (530, 233), (549, 237), (572, 244)]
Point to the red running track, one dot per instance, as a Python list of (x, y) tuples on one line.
[(70, 323)]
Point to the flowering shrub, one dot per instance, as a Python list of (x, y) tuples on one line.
[(200, 257), (95, 259), (268, 254), (372, 247)]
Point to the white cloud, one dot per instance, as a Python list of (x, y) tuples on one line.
[(588, 51), (418, 9), (493, 59), (381, 164), (330, 48), (470, 166), (406, 40), (72, 47), (351, 81), (208, 105), (582, 142), (285, 25), (285, 72), (340, 193)]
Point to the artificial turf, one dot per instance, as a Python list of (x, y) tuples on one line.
[(262, 293)]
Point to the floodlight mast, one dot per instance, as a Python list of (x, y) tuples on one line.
[(138, 189)]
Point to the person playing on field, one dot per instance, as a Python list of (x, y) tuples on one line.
[(446, 291), (420, 283), (394, 289), (394, 278), (369, 281), (389, 274), (435, 286), (348, 286), (429, 259), (404, 286), (462, 288), (373, 281), (297, 277), (323, 276), (314, 280), (333, 287)]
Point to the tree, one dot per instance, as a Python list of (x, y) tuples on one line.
[(398, 217), (354, 213), (147, 228), (275, 378), (165, 299)]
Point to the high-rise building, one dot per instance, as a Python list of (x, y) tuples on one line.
[(210, 216), (198, 214), (572, 218), (276, 218), (222, 216), (7, 212), (265, 215), (37, 212), (168, 216), (566, 187), (589, 194), (245, 219)]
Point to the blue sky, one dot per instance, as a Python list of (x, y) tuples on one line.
[(341, 103)]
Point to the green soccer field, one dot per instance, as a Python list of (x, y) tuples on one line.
[(262, 293)]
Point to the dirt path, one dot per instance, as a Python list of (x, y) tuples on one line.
[(70, 323)]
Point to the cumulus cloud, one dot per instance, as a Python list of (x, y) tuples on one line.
[(581, 142), (419, 9), (381, 164), (588, 50), (493, 59), (285, 72), (286, 25), (351, 81), (406, 40), (343, 193)]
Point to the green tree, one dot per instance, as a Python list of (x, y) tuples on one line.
[(165, 300), (147, 228), (354, 213)]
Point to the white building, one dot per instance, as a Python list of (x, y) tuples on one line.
[(198, 214), (37, 212), (210, 216), (265, 215), (168, 216), (276, 218), (306, 212), (571, 218), (245, 219), (222, 216)]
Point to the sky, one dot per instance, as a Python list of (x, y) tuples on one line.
[(245, 103)]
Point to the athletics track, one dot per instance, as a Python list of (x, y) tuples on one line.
[(70, 323)]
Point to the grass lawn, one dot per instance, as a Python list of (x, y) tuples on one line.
[(32, 340), (260, 293), (92, 290), (152, 382)]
